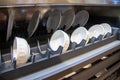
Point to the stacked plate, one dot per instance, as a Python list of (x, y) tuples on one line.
[(33, 23), (21, 51), (10, 23), (54, 20), (59, 38), (80, 34), (81, 18), (68, 18)]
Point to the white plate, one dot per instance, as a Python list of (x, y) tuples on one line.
[(95, 31), (10, 24), (33, 23), (79, 34), (68, 18), (54, 20), (107, 28), (21, 51), (59, 38), (81, 18)]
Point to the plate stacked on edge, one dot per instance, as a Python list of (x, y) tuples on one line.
[(81, 18), (68, 18), (10, 23), (33, 23), (54, 20)]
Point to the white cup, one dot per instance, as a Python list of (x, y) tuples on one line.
[(59, 38), (21, 51)]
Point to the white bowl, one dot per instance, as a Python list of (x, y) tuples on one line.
[(21, 51), (59, 38), (107, 28), (95, 31), (79, 34)]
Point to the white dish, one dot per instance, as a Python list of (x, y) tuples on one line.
[(33, 23), (59, 38), (54, 20), (95, 31), (79, 34), (107, 28), (68, 18), (81, 18), (10, 23), (21, 51)]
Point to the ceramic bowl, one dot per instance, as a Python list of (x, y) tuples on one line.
[(95, 31), (79, 34), (59, 38), (21, 51), (107, 28)]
